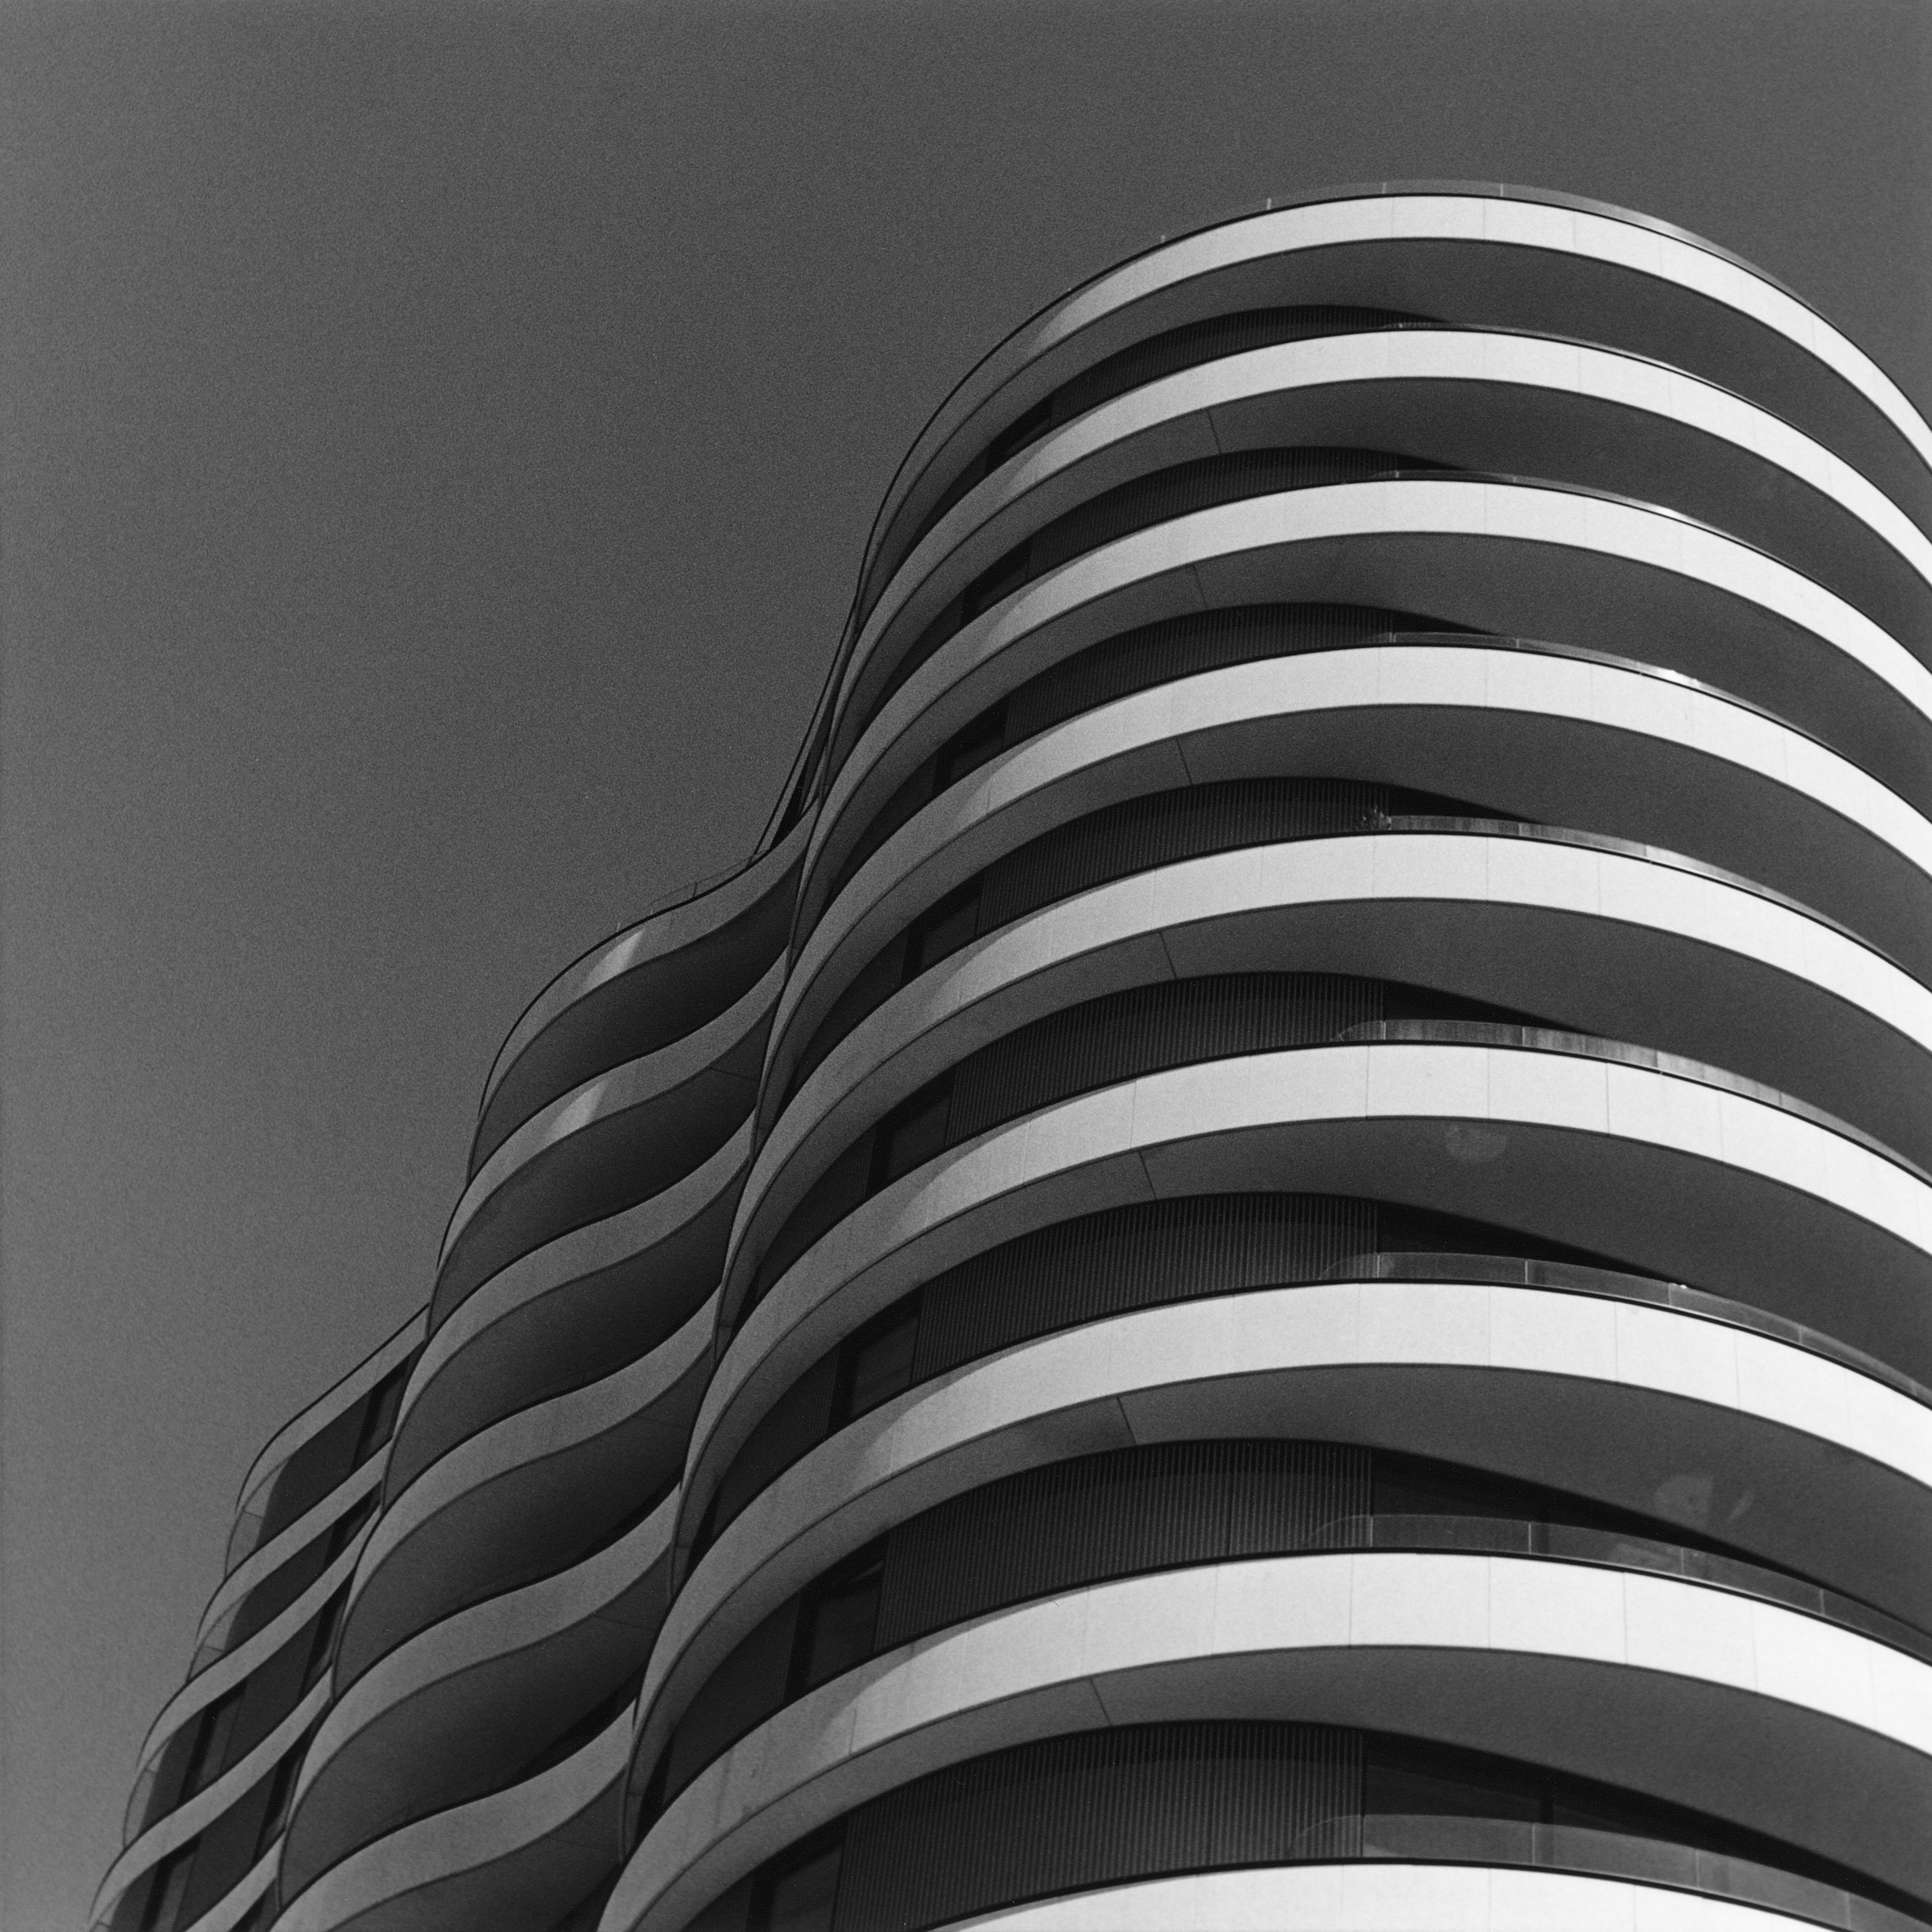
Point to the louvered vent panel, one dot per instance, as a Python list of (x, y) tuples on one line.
[(1099, 1808), (1135, 1510), (1284, 1496), (1151, 1253)]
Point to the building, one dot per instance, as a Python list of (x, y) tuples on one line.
[(1272, 1263)]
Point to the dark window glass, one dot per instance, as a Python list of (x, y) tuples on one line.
[(1602, 1811), (1423, 1785), (877, 1361), (1407, 1485), (942, 930), (346, 1528), (836, 1621), (1017, 434), (913, 1134), (281, 1795), (379, 1411), (971, 747), (169, 1889), (1005, 576), (323, 1648), (802, 1896), (567, 1742), (212, 1736)]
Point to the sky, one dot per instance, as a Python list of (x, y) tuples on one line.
[(436, 443)]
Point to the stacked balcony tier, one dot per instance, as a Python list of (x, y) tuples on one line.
[(1273, 1264), (1328, 1315)]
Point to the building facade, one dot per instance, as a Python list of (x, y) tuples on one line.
[(1272, 1265)]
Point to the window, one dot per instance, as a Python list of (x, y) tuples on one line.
[(322, 1647), (346, 1528), (968, 749), (942, 930), (210, 1754), (379, 1412), (913, 1134), (799, 1893), (167, 1891), (1002, 578), (877, 1362), (1017, 434), (1405, 1784), (281, 1795), (836, 1619)]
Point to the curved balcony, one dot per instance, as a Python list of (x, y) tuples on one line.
[(531, 1495), (623, 1136), (188, 1820), (1691, 1695), (1659, 1407), (292, 1558), (1691, 1175), (1507, 556), (1025, 1539), (562, 1314), (1461, 254), (1706, 967), (1532, 733), (454, 1713), (255, 1890), (233, 1672), (1446, 1875), (666, 975), (519, 1858), (328, 1411), (1479, 400)]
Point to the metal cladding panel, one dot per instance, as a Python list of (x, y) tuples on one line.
[(1098, 1807)]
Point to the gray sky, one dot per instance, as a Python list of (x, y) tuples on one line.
[(438, 442)]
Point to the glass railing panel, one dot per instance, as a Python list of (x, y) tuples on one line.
[(1463, 1841), (1570, 1278), (1606, 1854)]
